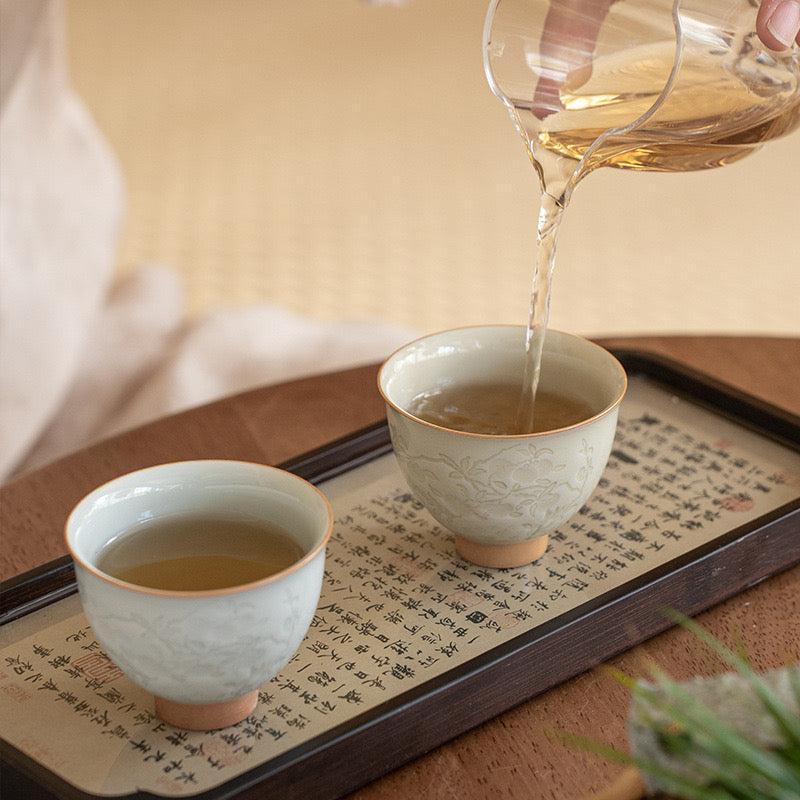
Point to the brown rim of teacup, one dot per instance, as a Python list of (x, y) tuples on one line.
[(229, 590), (470, 434)]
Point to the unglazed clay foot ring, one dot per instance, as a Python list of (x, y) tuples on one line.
[(501, 555), (209, 716)]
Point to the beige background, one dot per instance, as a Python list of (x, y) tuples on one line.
[(348, 160)]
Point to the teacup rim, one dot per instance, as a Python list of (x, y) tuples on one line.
[(201, 593), (501, 436)]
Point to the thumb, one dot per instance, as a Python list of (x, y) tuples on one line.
[(778, 23)]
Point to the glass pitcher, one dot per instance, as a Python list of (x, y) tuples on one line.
[(666, 85)]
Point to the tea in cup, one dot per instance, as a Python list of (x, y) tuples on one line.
[(452, 400), (200, 580)]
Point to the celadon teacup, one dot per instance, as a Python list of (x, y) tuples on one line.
[(203, 654), (502, 495)]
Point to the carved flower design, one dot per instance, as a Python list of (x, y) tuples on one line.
[(517, 490)]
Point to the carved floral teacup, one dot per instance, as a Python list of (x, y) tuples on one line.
[(203, 653), (501, 495)]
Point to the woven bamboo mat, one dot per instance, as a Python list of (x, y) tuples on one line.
[(347, 160)]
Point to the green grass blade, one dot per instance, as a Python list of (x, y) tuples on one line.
[(712, 741), (789, 723)]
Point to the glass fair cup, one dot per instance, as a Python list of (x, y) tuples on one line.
[(668, 85)]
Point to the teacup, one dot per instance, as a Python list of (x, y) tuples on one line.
[(501, 495), (203, 654)]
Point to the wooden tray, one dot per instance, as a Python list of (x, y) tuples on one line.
[(701, 499)]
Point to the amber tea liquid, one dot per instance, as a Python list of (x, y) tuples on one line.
[(712, 117), (491, 408), (188, 553)]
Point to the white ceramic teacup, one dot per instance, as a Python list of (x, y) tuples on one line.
[(502, 495), (203, 654)]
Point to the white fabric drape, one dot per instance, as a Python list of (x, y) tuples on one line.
[(82, 355)]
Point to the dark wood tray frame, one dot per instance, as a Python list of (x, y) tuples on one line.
[(380, 740)]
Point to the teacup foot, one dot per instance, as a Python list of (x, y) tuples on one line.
[(501, 555), (209, 716)]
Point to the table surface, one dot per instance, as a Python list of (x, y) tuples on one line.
[(511, 756)]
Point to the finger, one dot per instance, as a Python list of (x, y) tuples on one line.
[(778, 23), (567, 45)]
